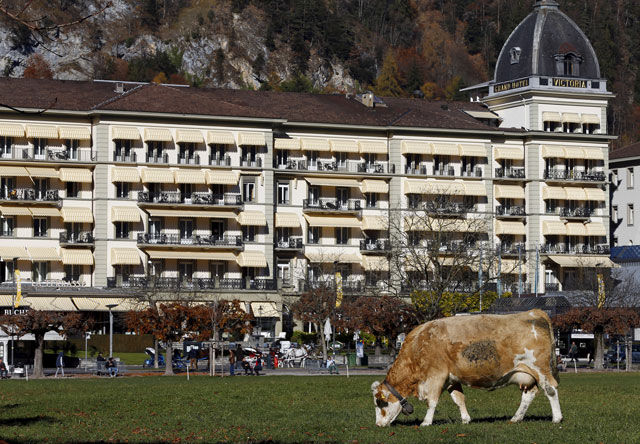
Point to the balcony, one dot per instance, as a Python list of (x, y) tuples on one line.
[(157, 158), (161, 239), (375, 168), (49, 154), (197, 198), (511, 248), (6, 232), (574, 213), (293, 243), (551, 286), (444, 208), (83, 238), (332, 204), (222, 162), (125, 157), (185, 284), (561, 248), (349, 286), (184, 159), (30, 195), (248, 163), (375, 246), (291, 164), (444, 171), (575, 174), (516, 211), (510, 173), (427, 286)]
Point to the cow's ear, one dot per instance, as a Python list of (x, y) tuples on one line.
[(375, 386)]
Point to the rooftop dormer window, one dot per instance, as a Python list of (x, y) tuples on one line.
[(515, 54), (568, 64)]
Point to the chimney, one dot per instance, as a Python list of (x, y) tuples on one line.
[(119, 87), (368, 99)]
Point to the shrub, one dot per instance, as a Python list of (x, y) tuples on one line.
[(302, 337)]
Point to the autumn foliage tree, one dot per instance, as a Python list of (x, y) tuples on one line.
[(37, 68), (388, 82), (316, 305)]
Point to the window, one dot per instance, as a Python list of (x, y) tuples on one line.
[(414, 200), (185, 272), (282, 235), (341, 160), (72, 189), (342, 235), (342, 196), (123, 151), (614, 213), (187, 155), (314, 235), (39, 271), (630, 178), (6, 186), (515, 54), (39, 148), (186, 190), (284, 273), (122, 230), (370, 159), (73, 230), (217, 270), (39, 227), (6, 145), (7, 271), (314, 195), (249, 233), (7, 224), (218, 151), (372, 199), (248, 155), (217, 229), (312, 157), (155, 228), (72, 272), (614, 177), (41, 186), (282, 158), (155, 151), (248, 190), (568, 64), (186, 230), (122, 190), (283, 193), (72, 149), (630, 214)]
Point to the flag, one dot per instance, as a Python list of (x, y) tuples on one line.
[(601, 294), (18, 288), (338, 289)]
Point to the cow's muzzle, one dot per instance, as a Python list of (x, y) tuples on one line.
[(407, 408)]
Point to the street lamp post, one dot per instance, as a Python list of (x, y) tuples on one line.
[(111, 307)]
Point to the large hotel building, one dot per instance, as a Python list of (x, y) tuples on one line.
[(107, 186)]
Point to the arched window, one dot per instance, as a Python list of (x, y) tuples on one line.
[(568, 65)]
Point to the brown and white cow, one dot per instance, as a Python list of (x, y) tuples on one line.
[(483, 351)]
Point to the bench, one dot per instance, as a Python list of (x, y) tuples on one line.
[(100, 368)]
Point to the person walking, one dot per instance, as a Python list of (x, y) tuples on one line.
[(573, 352), (232, 363), (60, 364), (239, 357), (193, 358)]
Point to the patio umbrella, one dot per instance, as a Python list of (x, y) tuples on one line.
[(327, 330)]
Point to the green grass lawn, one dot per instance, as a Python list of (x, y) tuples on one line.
[(597, 408)]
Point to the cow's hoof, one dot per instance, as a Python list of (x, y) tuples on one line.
[(557, 420), (466, 420), (515, 420), (425, 424)]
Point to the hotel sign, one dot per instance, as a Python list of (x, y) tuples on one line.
[(515, 84), (569, 83)]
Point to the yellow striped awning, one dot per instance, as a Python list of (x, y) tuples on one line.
[(416, 147), (287, 220), (220, 138), (42, 132), (11, 130), (251, 139), (595, 194), (76, 257), (576, 229), (75, 132), (374, 186), (553, 228), (510, 227), (189, 176), (265, 310), (255, 218), (375, 263), (445, 149), (157, 135), (594, 153), (189, 136), (372, 146), (15, 211), (45, 303), (100, 304), (584, 261), (591, 119), (51, 173), (508, 152), (331, 221), (550, 116), (374, 223), (125, 133), (553, 151), (252, 259), (596, 229), (77, 214), (43, 254), (125, 214), (76, 175), (333, 182), (472, 150), (475, 189), (553, 193), (328, 257), (220, 214), (125, 256), (434, 187), (221, 177), (16, 171), (44, 212), (509, 192), (10, 253), (192, 255), (343, 146), (157, 175), (131, 175), (573, 152), (575, 193), (315, 144), (570, 118), (287, 144)]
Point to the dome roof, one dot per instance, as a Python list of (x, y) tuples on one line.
[(547, 43)]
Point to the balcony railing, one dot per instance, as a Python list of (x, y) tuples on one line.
[(257, 163), (426, 286), (332, 204), (157, 158), (444, 171), (511, 248), (217, 161), (125, 157), (513, 210), (199, 240), (6, 233), (28, 153), (511, 173), (81, 238), (376, 168), (197, 198), (349, 286), (580, 212), (30, 194), (575, 174), (551, 286), (175, 283), (560, 248), (446, 208), (293, 243), (374, 245), (184, 159)]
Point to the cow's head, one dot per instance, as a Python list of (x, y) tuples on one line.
[(387, 406)]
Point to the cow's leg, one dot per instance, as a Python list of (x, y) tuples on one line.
[(550, 387), (432, 390), (527, 398), (455, 390)]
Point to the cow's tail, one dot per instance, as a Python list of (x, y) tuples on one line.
[(554, 359)]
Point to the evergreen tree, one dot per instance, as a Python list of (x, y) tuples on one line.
[(388, 83)]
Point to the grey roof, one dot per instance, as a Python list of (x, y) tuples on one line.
[(545, 32)]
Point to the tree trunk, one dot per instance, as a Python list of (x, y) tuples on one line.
[(598, 348), (38, 370), (168, 368), (156, 354), (378, 350), (628, 353), (322, 341)]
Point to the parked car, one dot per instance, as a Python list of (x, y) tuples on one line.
[(611, 356), (49, 361)]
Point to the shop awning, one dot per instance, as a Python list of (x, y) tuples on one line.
[(43, 303), (374, 186), (157, 175), (593, 153), (343, 146), (434, 187), (44, 212), (315, 144), (76, 175), (256, 139), (220, 214), (332, 182), (576, 229), (157, 135), (220, 138), (475, 189), (332, 221), (472, 150), (553, 193), (221, 177), (125, 133), (9, 130), (15, 211), (77, 214), (570, 118), (42, 132), (374, 223), (416, 147), (553, 151), (255, 259), (15, 171), (192, 255), (595, 194), (287, 220), (125, 214), (255, 218), (189, 136), (43, 254), (596, 229), (375, 263), (508, 152), (101, 304), (324, 257), (510, 266), (131, 175), (372, 146), (445, 149), (10, 253), (553, 228), (549, 116), (509, 192), (590, 119), (510, 227), (584, 261), (573, 152), (574, 193), (46, 172), (265, 310), (287, 144), (76, 257), (189, 176), (75, 132), (125, 256)]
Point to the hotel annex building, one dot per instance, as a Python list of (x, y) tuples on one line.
[(237, 194)]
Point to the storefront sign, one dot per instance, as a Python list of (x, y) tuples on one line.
[(500, 87)]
